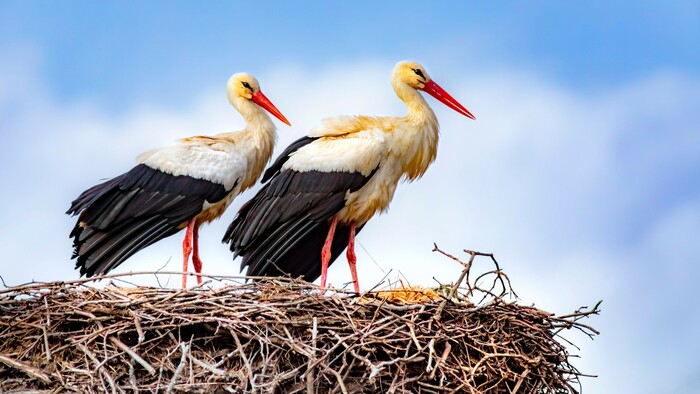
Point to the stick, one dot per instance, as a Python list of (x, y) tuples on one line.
[(133, 355), (180, 367), (26, 368)]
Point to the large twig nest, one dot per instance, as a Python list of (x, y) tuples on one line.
[(280, 335)]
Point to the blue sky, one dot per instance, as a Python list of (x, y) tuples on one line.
[(581, 172), (144, 47)]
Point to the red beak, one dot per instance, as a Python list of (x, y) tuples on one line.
[(439, 93), (260, 99)]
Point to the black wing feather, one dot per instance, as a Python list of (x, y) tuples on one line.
[(282, 229), (123, 215), (284, 156)]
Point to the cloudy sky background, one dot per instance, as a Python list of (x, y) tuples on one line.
[(581, 172)]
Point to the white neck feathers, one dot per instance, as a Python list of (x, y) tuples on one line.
[(419, 139)]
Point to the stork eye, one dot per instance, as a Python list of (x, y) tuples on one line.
[(247, 86), (418, 72)]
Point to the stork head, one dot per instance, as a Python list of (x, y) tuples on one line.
[(414, 75), (243, 86)]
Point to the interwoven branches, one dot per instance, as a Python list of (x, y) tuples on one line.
[(282, 335)]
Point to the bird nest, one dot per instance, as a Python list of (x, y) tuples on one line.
[(280, 335)]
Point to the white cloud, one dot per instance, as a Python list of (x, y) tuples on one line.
[(570, 190)]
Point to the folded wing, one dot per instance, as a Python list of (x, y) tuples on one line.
[(282, 229), (123, 215)]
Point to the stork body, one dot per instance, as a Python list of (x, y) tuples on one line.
[(174, 188), (324, 188)]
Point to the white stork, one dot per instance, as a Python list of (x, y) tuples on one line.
[(324, 187), (175, 187)]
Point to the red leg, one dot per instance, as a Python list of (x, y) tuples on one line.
[(352, 259), (196, 261), (326, 252), (186, 250)]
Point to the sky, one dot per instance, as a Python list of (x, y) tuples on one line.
[(581, 172)]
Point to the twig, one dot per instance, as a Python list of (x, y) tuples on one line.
[(243, 355), (133, 355), (310, 376), (441, 360), (139, 329), (26, 368), (184, 349), (132, 379), (578, 314), (339, 378), (453, 291), (206, 366), (47, 349)]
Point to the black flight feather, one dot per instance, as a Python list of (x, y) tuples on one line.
[(282, 229), (123, 215)]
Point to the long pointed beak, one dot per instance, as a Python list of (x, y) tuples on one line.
[(260, 99), (439, 93)]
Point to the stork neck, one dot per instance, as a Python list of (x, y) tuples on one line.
[(419, 112), (261, 136), (419, 140), (258, 122)]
